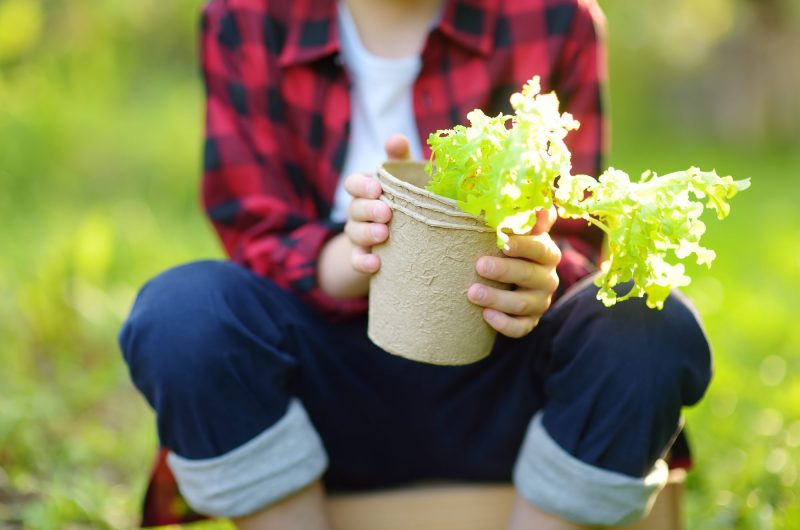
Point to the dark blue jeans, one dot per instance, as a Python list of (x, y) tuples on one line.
[(219, 353)]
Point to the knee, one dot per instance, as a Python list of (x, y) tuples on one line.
[(177, 337), (659, 356), (686, 341), (627, 370), (674, 352)]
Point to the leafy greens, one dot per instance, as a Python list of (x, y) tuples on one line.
[(506, 168)]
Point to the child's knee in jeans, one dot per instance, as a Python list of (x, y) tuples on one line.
[(654, 350), (174, 336)]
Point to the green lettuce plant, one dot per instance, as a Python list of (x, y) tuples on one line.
[(507, 167)]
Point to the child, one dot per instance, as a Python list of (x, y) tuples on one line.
[(264, 383)]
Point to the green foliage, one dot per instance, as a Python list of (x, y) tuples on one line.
[(100, 111), (646, 222)]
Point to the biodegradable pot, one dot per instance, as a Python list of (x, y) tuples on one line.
[(418, 306)]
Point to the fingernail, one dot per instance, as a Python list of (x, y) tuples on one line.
[(487, 266), (376, 231)]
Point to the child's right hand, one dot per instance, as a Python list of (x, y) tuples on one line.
[(367, 216)]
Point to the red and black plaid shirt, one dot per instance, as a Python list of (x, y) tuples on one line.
[(278, 111)]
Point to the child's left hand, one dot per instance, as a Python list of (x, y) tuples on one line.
[(530, 265)]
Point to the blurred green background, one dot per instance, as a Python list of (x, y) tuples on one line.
[(100, 130)]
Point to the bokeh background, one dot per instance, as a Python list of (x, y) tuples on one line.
[(100, 131)]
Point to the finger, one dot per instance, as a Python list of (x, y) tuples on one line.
[(510, 326), (397, 147), (518, 272), (369, 210), (539, 249), (362, 186), (366, 234), (544, 220), (363, 261), (521, 302)]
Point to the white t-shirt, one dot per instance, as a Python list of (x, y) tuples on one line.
[(381, 104)]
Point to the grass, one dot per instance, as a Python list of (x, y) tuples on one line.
[(99, 166)]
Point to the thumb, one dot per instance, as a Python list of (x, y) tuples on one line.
[(544, 220), (397, 147)]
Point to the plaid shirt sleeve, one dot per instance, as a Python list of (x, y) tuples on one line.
[(263, 205), (579, 79)]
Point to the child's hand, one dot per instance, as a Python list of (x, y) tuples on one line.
[(367, 217), (346, 261), (530, 265)]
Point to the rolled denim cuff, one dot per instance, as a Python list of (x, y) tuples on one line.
[(560, 484), (283, 459)]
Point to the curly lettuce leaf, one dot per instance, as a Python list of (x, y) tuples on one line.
[(649, 224), (504, 173)]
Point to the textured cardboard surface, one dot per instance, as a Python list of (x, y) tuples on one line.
[(418, 303)]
